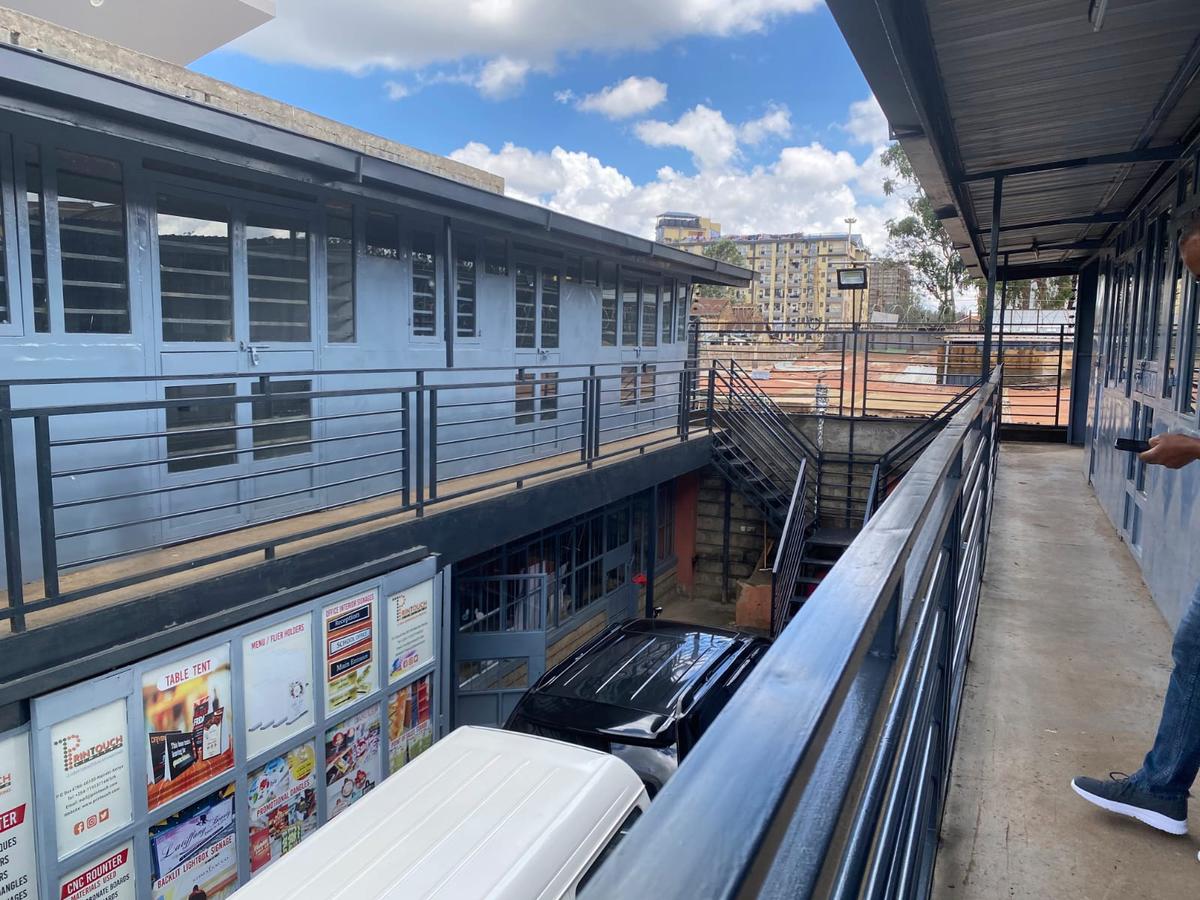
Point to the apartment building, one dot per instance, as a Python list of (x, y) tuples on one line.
[(677, 227), (889, 286)]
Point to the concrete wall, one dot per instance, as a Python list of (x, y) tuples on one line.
[(32, 33), (746, 539), (872, 436)]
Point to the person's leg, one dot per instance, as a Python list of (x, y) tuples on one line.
[(1157, 793), (1172, 763)]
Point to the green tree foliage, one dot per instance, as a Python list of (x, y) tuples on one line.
[(919, 240), (723, 250)]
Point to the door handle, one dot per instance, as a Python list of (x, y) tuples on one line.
[(252, 349)]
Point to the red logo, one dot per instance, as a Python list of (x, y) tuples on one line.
[(78, 828), (104, 814)]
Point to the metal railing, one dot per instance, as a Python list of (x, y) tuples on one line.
[(828, 775), (789, 554), (901, 370), (160, 476)]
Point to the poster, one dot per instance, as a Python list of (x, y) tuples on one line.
[(410, 630), (349, 649), (351, 759), (195, 848), (189, 724), (283, 804), (18, 864), (278, 683), (111, 877), (410, 725), (89, 764)]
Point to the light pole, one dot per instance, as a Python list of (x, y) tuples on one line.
[(850, 220)]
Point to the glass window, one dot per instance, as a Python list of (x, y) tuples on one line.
[(668, 311), (339, 278), (524, 398), (495, 257), (201, 435), (1194, 387), (617, 534), (549, 395), (37, 237), (506, 673), (608, 304), (550, 305), (424, 285), (574, 270), (277, 266), (664, 545), (629, 377), (649, 315), (91, 228), (629, 314), (195, 283), (286, 427), (526, 306), (383, 235), (465, 252), (682, 311), (1174, 319), (591, 271)]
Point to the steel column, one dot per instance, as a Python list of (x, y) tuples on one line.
[(727, 524), (997, 198), (448, 292), (45, 486), (8, 502), (651, 548)]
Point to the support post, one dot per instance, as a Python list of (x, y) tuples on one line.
[(8, 502), (448, 292), (727, 524), (433, 443), (1062, 339), (651, 548), (993, 260), (406, 448), (1003, 305), (420, 466), (45, 485)]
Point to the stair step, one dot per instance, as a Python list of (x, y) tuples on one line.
[(833, 537), (817, 561)]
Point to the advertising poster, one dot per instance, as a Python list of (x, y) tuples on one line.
[(189, 724), (18, 865), (349, 650), (89, 764), (410, 630), (351, 759), (283, 804), (278, 683), (110, 877), (195, 849), (410, 725)]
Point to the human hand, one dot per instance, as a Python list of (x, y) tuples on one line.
[(1173, 451)]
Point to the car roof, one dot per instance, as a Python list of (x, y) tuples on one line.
[(482, 813), (644, 664)]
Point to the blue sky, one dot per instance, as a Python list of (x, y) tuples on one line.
[(751, 111)]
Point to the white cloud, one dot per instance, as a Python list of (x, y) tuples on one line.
[(702, 131), (502, 77), (631, 97), (867, 123), (396, 90), (359, 35), (564, 96), (777, 122)]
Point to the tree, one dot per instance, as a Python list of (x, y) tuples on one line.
[(1039, 293), (726, 251), (919, 240)]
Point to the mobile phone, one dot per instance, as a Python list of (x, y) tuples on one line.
[(1132, 445)]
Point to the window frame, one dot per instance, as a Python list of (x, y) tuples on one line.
[(323, 265), (475, 241), (411, 231), (236, 270)]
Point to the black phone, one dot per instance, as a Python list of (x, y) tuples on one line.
[(1132, 445)]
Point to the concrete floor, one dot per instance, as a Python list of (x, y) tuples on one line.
[(1067, 673)]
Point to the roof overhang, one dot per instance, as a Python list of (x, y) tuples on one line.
[(1077, 123), (36, 85)]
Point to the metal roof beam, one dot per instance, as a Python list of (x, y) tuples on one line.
[(1094, 219), (1149, 154), (1048, 248)]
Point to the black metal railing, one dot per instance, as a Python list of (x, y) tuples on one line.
[(789, 553), (828, 775), (151, 477)]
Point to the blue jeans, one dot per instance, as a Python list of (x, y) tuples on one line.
[(1172, 763)]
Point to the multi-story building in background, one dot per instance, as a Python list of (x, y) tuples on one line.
[(795, 275), (889, 286), (677, 227)]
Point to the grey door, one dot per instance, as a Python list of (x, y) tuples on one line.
[(499, 644)]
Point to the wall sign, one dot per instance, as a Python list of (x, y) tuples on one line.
[(18, 861), (195, 848), (283, 804), (410, 724), (189, 724), (277, 683), (410, 630), (351, 759), (349, 632), (111, 877), (89, 762)]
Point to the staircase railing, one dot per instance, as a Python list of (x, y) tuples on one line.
[(789, 555)]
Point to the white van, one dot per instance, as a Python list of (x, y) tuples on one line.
[(482, 813)]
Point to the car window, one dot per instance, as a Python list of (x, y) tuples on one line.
[(634, 815)]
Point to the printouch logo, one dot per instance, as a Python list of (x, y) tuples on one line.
[(73, 757)]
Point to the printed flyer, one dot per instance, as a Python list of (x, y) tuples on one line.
[(278, 682), (89, 763), (410, 630), (283, 804), (195, 849), (189, 724), (111, 877), (410, 725), (351, 759), (349, 650), (18, 863)]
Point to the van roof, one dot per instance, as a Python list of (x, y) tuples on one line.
[(482, 813)]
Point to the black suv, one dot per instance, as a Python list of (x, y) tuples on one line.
[(643, 690)]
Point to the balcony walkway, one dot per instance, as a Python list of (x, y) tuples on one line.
[(1069, 666)]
